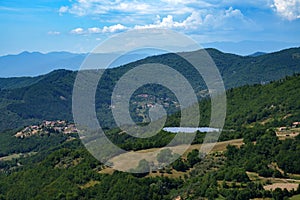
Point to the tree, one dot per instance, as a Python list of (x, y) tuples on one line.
[(142, 169), (193, 157), (164, 156), (277, 194), (179, 165), (143, 166)]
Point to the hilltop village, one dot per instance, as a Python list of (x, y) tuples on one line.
[(47, 127)]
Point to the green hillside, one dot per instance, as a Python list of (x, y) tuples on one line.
[(61, 168), (27, 100), (12, 83), (272, 105)]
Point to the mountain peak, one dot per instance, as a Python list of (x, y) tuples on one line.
[(29, 53), (259, 53)]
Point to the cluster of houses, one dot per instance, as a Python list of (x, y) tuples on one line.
[(47, 127), (294, 125), (289, 130), (151, 100)]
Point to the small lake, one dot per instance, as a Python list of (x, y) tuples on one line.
[(189, 129)]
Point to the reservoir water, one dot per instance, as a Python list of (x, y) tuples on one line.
[(189, 129)]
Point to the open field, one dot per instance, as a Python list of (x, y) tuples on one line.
[(288, 186), (173, 174), (89, 184), (131, 159), (255, 177), (282, 183), (107, 170), (16, 156), (219, 146)]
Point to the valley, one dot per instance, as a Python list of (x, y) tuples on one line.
[(256, 156)]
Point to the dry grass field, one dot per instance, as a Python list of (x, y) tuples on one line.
[(131, 159), (288, 186)]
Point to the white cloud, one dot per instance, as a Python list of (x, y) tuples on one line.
[(197, 22), (247, 3), (166, 22), (114, 28), (136, 7), (132, 7), (94, 30), (53, 33), (228, 19), (77, 31), (176, 1), (288, 9), (189, 16), (63, 9), (191, 22)]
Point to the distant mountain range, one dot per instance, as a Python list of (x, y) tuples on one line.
[(248, 47), (48, 97), (35, 63)]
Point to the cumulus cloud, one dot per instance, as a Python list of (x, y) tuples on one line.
[(77, 31), (114, 28), (63, 9), (209, 20), (288, 9), (227, 20), (97, 30), (94, 30), (191, 22), (197, 21), (183, 15), (166, 22)]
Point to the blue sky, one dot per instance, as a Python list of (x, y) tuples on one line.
[(80, 25)]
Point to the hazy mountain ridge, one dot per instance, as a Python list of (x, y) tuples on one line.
[(36, 63), (257, 54)]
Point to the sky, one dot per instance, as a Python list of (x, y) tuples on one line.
[(80, 25)]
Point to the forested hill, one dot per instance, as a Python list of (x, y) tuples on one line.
[(236, 70), (271, 105), (243, 70), (57, 166), (27, 100)]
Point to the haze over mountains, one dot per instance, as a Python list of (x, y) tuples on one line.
[(36, 63), (249, 47)]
